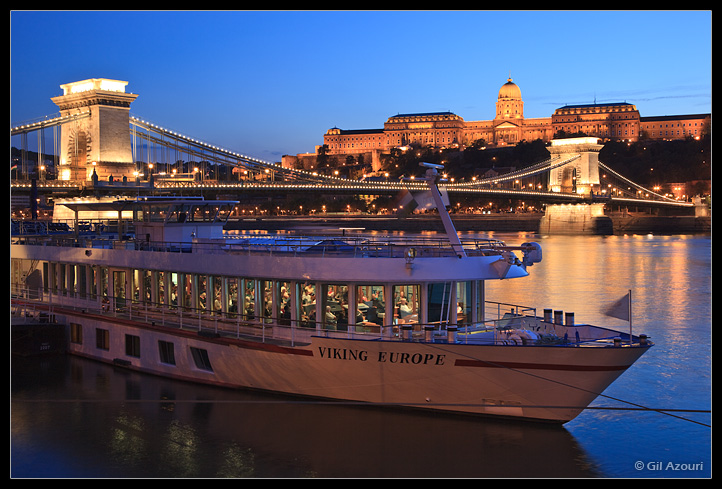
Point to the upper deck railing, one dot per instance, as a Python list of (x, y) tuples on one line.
[(324, 246)]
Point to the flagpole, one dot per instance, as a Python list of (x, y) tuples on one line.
[(630, 317)]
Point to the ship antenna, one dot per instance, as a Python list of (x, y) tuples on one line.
[(431, 177)]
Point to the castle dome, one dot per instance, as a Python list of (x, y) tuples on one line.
[(509, 90)]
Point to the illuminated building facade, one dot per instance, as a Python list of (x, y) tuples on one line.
[(608, 121)]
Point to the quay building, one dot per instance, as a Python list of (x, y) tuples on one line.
[(619, 121)]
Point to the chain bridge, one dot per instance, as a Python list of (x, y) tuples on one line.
[(95, 143)]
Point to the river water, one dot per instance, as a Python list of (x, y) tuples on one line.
[(73, 418)]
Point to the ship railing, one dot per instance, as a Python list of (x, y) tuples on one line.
[(516, 325), (372, 247), (34, 303)]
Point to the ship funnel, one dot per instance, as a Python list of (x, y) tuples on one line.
[(548, 316)]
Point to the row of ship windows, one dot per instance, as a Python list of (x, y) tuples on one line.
[(166, 349), (260, 299)]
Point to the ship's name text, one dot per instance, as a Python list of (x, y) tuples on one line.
[(382, 357)]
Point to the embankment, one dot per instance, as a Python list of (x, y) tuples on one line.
[(622, 224)]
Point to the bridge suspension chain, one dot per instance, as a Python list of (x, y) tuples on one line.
[(606, 168)]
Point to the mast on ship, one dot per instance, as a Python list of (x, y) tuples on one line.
[(431, 177)]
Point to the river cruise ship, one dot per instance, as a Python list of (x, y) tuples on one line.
[(159, 287)]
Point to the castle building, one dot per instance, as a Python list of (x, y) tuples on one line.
[(619, 121)]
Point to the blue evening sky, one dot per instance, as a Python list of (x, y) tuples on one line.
[(268, 83)]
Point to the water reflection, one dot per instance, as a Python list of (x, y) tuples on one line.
[(584, 273), (144, 426), (76, 418)]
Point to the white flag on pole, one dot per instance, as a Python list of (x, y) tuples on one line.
[(620, 309)]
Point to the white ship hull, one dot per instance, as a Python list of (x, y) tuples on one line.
[(546, 383)]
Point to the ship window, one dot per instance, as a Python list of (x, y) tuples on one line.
[(132, 345), (46, 276), (102, 339), (136, 277), (200, 357), (438, 308), (93, 286), (371, 304), (145, 284), (76, 333), (249, 299), (267, 300), (186, 286), (160, 287), (72, 280), (406, 304), (173, 289), (217, 283), (463, 302), (308, 305), (61, 278), (104, 282), (231, 299), (202, 291), (166, 351), (283, 311), (479, 296), (335, 306)]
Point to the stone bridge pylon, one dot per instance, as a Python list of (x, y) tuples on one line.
[(97, 139), (580, 176)]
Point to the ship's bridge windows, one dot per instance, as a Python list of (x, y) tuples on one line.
[(454, 303)]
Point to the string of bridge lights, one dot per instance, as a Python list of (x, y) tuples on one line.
[(335, 182)]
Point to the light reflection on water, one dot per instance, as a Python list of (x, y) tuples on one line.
[(75, 418), (143, 426), (670, 279)]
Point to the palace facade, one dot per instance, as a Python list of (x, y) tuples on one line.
[(609, 121)]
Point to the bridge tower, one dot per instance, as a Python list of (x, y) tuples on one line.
[(580, 176), (98, 138)]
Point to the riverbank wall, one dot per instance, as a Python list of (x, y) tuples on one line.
[(501, 223)]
